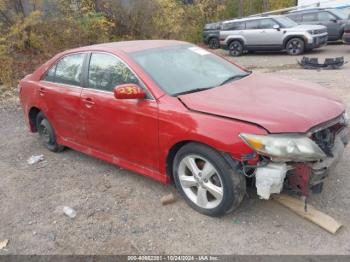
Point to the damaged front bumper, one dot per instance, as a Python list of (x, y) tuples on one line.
[(300, 178)]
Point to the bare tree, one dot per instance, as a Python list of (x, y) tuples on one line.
[(241, 8), (266, 6)]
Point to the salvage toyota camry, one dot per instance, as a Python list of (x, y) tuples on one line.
[(176, 112)]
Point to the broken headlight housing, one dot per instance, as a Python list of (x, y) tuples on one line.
[(285, 147)]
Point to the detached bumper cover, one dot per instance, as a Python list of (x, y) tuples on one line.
[(329, 63)]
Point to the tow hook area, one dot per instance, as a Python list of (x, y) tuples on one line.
[(270, 178)]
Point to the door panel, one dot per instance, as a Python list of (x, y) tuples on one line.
[(329, 20), (126, 129), (59, 94), (270, 37), (63, 109), (252, 37), (261, 33)]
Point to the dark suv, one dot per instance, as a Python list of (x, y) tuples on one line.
[(211, 33), (333, 19)]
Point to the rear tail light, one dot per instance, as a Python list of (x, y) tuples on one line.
[(347, 31)]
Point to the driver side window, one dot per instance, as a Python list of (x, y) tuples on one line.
[(267, 24), (325, 16), (107, 71)]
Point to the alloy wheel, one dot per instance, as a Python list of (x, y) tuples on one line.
[(200, 181), (236, 48), (295, 47)]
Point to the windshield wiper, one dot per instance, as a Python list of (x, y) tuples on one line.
[(232, 78), (192, 91)]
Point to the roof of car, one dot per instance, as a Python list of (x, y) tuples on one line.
[(131, 46), (307, 10), (250, 18)]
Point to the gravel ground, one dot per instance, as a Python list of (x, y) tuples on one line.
[(119, 212)]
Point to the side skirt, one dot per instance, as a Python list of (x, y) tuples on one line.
[(115, 161)]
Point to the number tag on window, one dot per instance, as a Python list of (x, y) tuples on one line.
[(199, 50)]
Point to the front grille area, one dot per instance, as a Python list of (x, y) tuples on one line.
[(325, 138)]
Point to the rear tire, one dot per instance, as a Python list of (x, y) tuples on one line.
[(236, 48), (214, 43), (47, 133), (206, 181), (295, 46)]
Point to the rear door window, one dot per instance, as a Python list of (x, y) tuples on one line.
[(253, 24), (325, 16), (69, 70), (50, 74), (234, 26), (296, 17), (310, 17), (267, 24)]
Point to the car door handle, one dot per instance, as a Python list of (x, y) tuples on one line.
[(89, 102)]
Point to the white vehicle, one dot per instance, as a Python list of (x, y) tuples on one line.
[(271, 33)]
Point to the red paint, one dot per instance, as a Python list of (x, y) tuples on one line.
[(299, 179), (279, 105), (138, 134)]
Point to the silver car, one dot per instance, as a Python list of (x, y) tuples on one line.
[(272, 33)]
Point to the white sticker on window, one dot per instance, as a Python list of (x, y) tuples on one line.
[(199, 50)]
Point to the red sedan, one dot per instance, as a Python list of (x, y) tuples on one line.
[(173, 111)]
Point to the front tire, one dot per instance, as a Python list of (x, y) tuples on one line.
[(295, 46), (236, 48), (47, 133), (206, 181)]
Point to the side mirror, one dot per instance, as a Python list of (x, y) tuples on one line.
[(129, 91), (334, 20), (277, 27)]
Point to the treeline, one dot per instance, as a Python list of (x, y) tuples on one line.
[(31, 31)]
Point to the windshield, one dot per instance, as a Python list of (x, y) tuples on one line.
[(213, 26), (185, 68), (340, 14), (285, 22)]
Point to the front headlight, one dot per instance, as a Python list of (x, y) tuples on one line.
[(313, 32), (292, 147)]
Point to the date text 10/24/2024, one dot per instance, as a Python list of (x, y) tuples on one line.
[(172, 258)]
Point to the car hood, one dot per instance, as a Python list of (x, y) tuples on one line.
[(307, 27), (278, 105)]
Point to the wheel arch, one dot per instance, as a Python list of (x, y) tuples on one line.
[(32, 114), (301, 37), (213, 36), (176, 147), (230, 40)]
